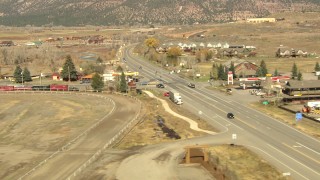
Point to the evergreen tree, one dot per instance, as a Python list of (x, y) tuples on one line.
[(214, 71), (220, 72), (26, 75), (69, 70), (258, 72), (119, 69), (294, 71), (17, 75), (276, 72), (97, 82), (317, 67), (263, 69), (232, 69), (225, 73), (123, 83), (278, 52), (299, 76), (99, 60)]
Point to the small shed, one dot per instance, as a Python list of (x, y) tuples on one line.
[(132, 85), (55, 76), (87, 78)]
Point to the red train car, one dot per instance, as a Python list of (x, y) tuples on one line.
[(58, 87), (23, 88), (6, 88)]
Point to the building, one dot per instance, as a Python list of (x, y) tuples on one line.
[(112, 76), (295, 90), (87, 78), (6, 43), (56, 76), (260, 20), (243, 68)]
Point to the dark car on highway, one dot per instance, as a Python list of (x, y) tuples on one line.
[(230, 115), (160, 86), (191, 85)]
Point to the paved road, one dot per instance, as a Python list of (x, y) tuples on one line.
[(288, 149), (66, 162)]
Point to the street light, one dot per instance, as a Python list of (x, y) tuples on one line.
[(40, 78), (22, 76), (69, 74)]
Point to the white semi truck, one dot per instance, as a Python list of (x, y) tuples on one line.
[(175, 97), (313, 104)]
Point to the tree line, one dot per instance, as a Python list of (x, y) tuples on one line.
[(69, 73)]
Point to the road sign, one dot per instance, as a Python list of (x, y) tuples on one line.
[(234, 136), (298, 116), (286, 174)]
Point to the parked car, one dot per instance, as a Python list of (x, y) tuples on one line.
[(160, 86), (138, 91), (73, 89), (166, 94), (230, 115), (144, 83), (191, 85)]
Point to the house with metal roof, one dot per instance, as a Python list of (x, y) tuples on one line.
[(295, 89)]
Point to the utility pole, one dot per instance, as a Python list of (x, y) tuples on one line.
[(69, 74), (40, 78), (22, 76)]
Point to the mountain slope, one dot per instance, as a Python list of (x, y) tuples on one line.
[(134, 12)]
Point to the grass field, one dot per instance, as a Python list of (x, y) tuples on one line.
[(308, 126), (298, 31), (240, 163)]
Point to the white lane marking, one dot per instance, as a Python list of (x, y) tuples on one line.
[(278, 160), (308, 148), (216, 115), (296, 146), (276, 120), (294, 160)]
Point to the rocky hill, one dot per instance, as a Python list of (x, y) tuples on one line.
[(141, 12)]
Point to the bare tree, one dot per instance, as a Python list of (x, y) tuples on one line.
[(4, 53)]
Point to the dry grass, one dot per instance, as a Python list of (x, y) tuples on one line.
[(243, 164), (308, 126), (148, 132)]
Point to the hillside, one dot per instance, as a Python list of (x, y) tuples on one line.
[(141, 12)]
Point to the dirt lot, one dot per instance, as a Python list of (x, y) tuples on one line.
[(33, 126)]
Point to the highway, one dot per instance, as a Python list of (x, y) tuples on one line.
[(291, 151)]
